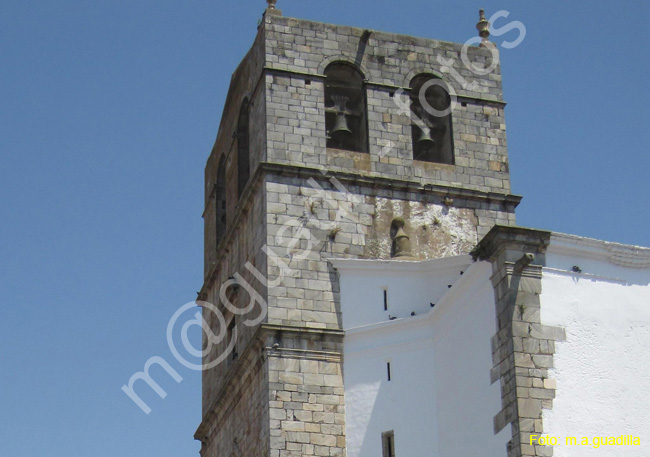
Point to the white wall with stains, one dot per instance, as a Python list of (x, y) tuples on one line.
[(439, 401)]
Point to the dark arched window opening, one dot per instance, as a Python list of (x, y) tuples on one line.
[(243, 152), (220, 199), (345, 108), (431, 120)]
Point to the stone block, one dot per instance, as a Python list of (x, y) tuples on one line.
[(292, 426), (312, 428), (543, 394), (322, 440), (543, 361), (333, 380), (529, 408), (275, 413), (550, 384), (291, 378), (322, 417)]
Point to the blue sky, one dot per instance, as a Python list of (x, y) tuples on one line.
[(108, 112)]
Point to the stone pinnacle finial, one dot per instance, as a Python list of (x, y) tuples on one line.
[(483, 27), (271, 9)]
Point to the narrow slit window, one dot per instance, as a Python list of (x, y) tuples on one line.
[(388, 370), (385, 300), (231, 332), (388, 444), (243, 144), (220, 195)]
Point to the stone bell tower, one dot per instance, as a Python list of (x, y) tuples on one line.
[(334, 142)]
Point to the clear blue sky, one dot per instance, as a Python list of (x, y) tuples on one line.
[(108, 111)]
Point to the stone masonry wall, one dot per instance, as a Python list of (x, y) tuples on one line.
[(298, 52), (306, 404), (245, 83), (241, 246), (310, 220), (522, 348), (245, 231), (238, 425)]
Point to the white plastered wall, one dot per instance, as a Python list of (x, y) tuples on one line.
[(602, 370), (439, 401)]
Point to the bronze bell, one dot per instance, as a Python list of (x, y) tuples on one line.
[(340, 125), (425, 136)]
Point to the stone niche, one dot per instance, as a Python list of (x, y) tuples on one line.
[(434, 230)]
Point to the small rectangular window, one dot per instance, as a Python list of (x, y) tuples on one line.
[(385, 300), (388, 444)]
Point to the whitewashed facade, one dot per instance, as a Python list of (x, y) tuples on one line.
[(602, 370), (418, 353)]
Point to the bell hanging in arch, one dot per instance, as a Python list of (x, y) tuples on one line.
[(341, 125), (425, 136)]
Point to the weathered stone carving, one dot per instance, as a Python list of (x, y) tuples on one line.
[(401, 241)]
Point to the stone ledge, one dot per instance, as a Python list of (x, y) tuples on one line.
[(309, 333), (391, 183), (624, 255), (512, 238)]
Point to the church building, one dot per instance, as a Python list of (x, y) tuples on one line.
[(375, 295)]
